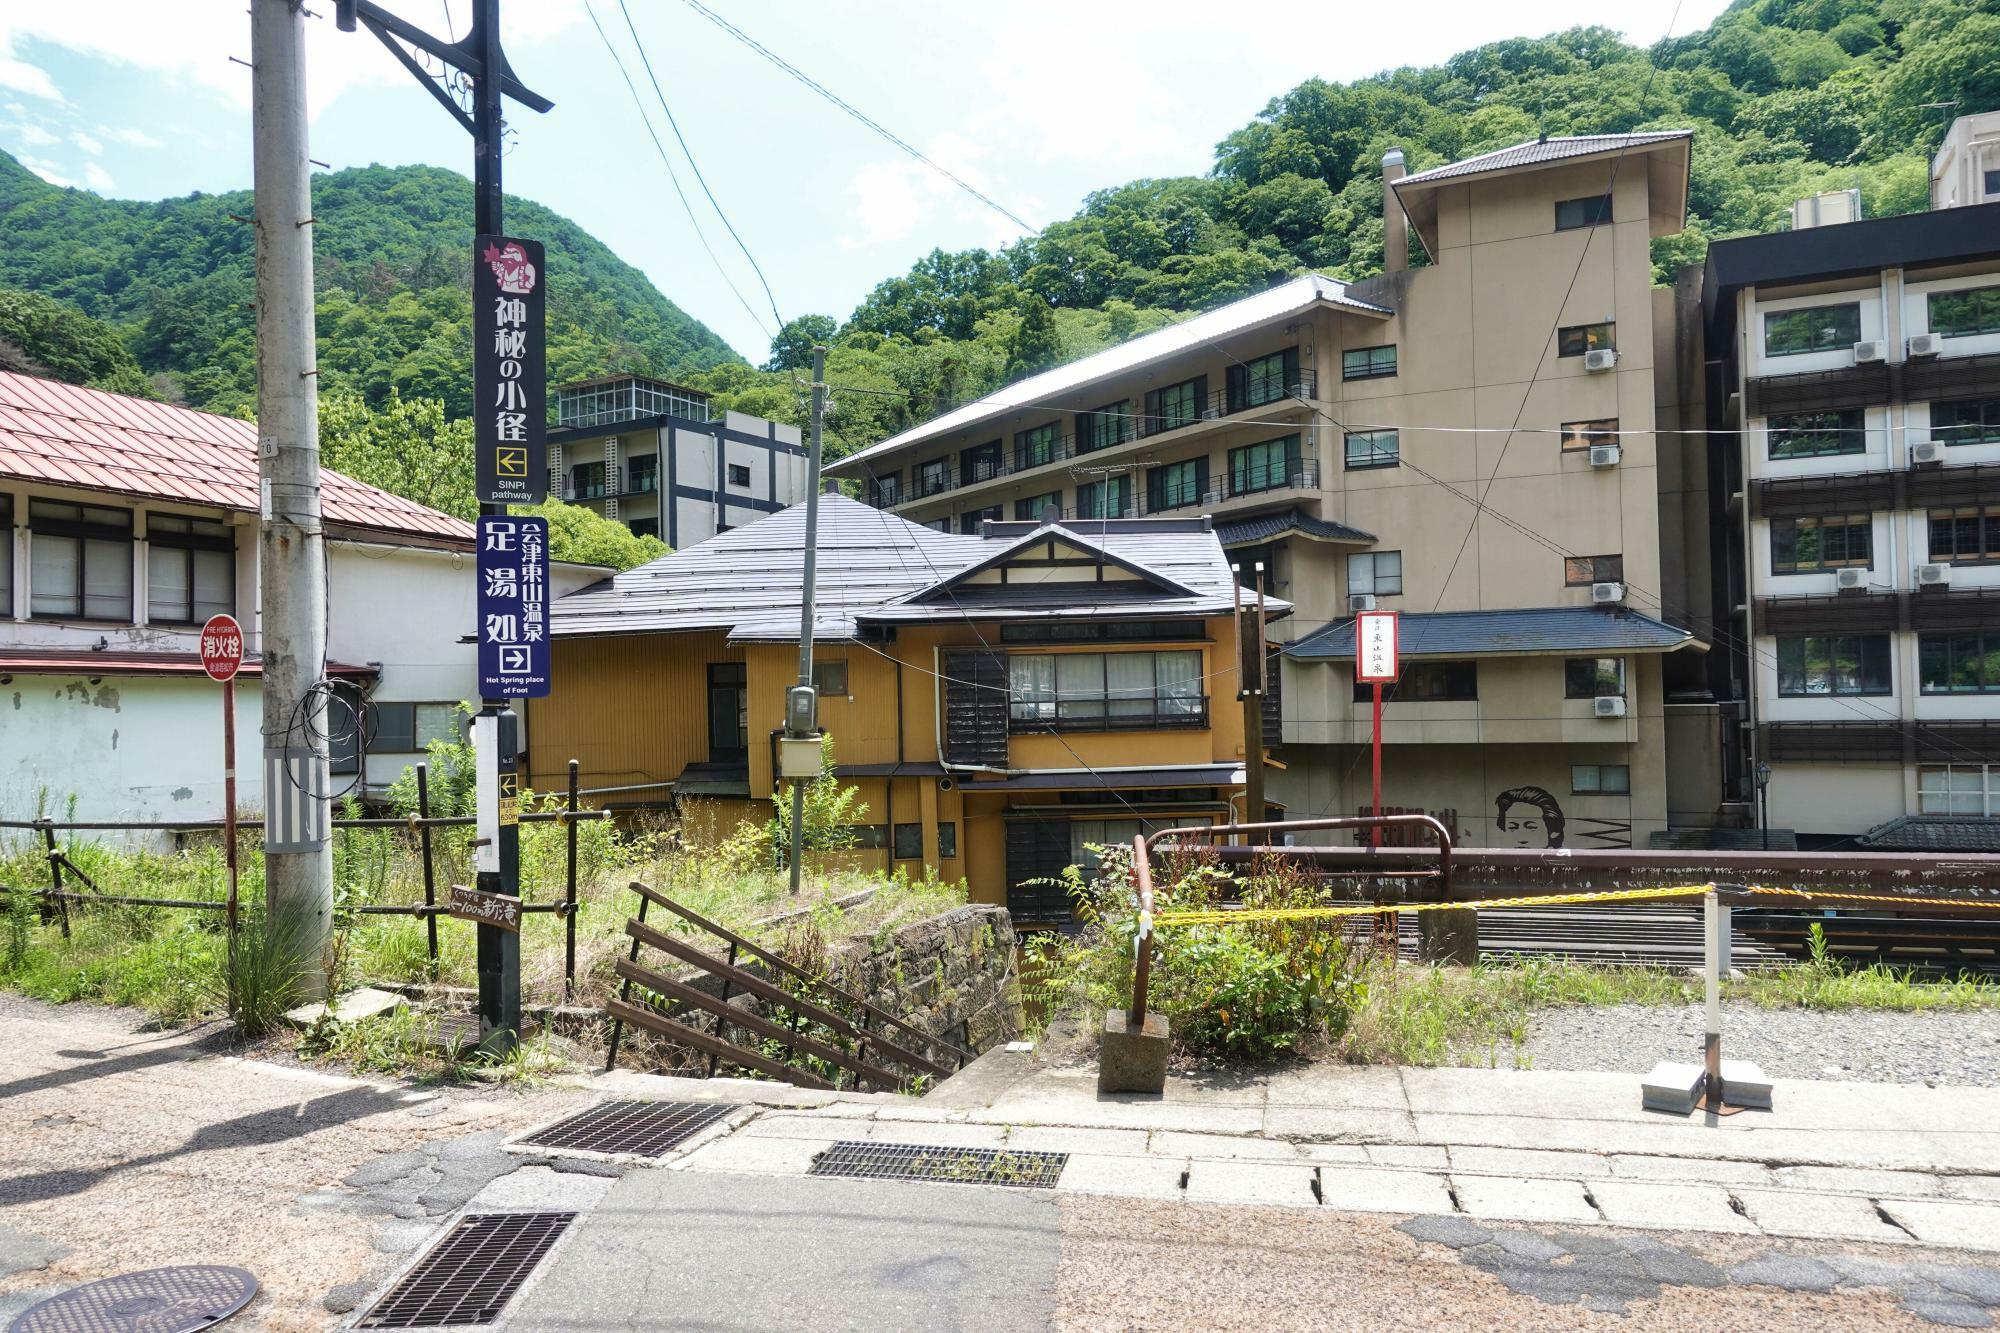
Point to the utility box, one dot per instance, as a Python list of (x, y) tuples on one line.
[(798, 757)]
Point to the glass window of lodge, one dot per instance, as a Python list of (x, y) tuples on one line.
[(80, 562), (1819, 328), (1814, 665), (1799, 545), (1962, 314), (1817, 434)]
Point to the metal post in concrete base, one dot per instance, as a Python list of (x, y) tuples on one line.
[(1133, 1057)]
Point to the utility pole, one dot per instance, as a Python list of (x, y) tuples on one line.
[(298, 861), (802, 709)]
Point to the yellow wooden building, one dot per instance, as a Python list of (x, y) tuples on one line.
[(1000, 698)]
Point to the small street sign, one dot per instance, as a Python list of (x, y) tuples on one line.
[(1376, 650), (221, 647), (509, 370), (513, 607), (498, 910)]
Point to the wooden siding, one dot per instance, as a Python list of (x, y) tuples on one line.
[(629, 709)]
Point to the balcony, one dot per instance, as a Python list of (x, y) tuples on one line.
[(611, 481), (1251, 485)]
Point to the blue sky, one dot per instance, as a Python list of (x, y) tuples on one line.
[(1036, 102)]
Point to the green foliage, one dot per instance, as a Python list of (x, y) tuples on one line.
[(583, 536), (43, 336), (262, 975), (831, 812), (406, 447)]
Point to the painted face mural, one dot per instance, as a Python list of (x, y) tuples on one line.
[(1527, 817)]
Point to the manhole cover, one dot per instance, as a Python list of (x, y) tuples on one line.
[(471, 1274), (955, 1166), (646, 1129), (157, 1300)]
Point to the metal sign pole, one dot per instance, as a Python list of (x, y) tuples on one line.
[(1375, 786), (229, 796)]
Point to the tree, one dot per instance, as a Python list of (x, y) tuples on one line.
[(406, 448), (582, 536), (1034, 346), (792, 348), (43, 336)]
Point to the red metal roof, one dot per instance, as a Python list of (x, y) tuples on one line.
[(67, 435), (83, 662)]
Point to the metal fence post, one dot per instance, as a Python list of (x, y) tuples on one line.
[(430, 880), (569, 917)]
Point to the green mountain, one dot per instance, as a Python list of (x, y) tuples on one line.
[(176, 278)]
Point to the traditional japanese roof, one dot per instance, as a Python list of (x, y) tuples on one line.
[(66, 435), (1543, 630), (1264, 527), (1932, 833), (875, 569)]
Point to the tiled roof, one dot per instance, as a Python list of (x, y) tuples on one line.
[(1536, 151), (1263, 527), (67, 435), (1547, 629), (1932, 833)]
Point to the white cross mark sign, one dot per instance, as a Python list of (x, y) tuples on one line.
[(1376, 650)]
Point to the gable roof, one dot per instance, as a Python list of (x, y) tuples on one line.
[(1053, 534), (67, 435), (1535, 152), (1263, 527), (874, 568), (1547, 629), (1286, 300)]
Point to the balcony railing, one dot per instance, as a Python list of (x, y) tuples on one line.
[(625, 480), (1301, 475), (1099, 714)]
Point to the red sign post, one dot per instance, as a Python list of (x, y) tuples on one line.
[(1376, 660), (221, 658)]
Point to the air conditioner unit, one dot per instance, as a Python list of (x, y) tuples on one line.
[(1607, 705), (1360, 601), (1607, 594), (1851, 579), (1926, 453), (1933, 576), (1868, 351), (1604, 455), (1604, 358), (1925, 344)]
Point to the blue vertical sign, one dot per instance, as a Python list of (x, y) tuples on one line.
[(513, 607)]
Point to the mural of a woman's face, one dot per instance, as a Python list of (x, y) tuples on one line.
[(1523, 825)]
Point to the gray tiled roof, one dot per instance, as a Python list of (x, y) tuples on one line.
[(1933, 833), (1547, 629), (1263, 527), (1541, 150)]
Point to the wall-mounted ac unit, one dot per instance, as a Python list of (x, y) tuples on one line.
[(1933, 576), (1607, 594), (1927, 453), (1925, 344), (1608, 705), (1869, 351), (1360, 601), (1604, 358), (1852, 579), (1604, 455)]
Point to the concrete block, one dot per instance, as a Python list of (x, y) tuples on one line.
[(1690, 1170), (1136, 1177), (755, 1157), (1672, 1087), (1744, 1084), (1529, 1162), (365, 1002), (1853, 1180), (1221, 1147), (1250, 1182), (1524, 1199), (1817, 1216), (1945, 1222), (1132, 1059), (1450, 936), (1383, 1191), (1678, 1207)]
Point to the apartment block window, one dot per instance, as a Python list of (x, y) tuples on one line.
[(1958, 789), (909, 841), (644, 474), (1583, 434), (830, 679), (1268, 379), (1962, 314), (1104, 691), (1802, 544), (1817, 434), (1593, 677), (739, 474), (933, 476), (6, 557), (947, 840), (1103, 427), (969, 521), (1580, 571), (1580, 338), (1109, 498), (888, 490), (1820, 328), (1600, 779), (1030, 509), (1035, 446), (1959, 663), (643, 527), (190, 569), (1833, 664), (1376, 572), (81, 561), (1427, 682), (1967, 535), (1589, 212), (979, 463), (1176, 405), (1368, 363), (586, 481), (1966, 420), (1264, 466), (1373, 448), (1176, 484)]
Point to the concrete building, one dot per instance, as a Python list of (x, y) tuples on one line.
[(124, 525), (1857, 369), (654, 457), (1471, 442)]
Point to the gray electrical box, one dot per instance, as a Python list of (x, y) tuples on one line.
[(801, 710)]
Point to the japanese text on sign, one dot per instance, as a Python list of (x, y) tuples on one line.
[(221, 647), (513, 607), (1375, 648), (488, 909), (509, 377)]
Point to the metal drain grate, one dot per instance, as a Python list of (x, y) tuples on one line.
[(956, 1166), (471, 1274), (646, 1129), (157, 1300)]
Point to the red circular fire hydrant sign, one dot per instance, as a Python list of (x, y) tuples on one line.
[(221, 647)]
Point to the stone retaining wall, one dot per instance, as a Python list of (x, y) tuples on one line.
[(952, 976)]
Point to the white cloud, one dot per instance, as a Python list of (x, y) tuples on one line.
[(86, 143), (895, 197), (34, 136), (126, 135), (97, 178), (33, 80), (49, 171)]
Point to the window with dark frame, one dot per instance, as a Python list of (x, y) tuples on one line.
[(1587, 212), (79, 562), (1426, 682), (739, 474), (1583, 434), (1991, 180), (947, 840), (1030, 510), (1110, 497), (643, 474), (1106, 691), (869, 837), (1577, 339), (1176, 485), (830, 678), (1964, 313), (1267, 379), (1035, 446), (1102, 427), (1593, 677), (933, 476), (6, 557), (1816, 434), (1267, 465), (1801, 545), (1373, 448), (1102, 631), (979, 463), (728, 711), (888, 490), (1580, 571), (1959, 663), (1966, 421), (969, 522), (1368, 363), (1379, 573), (1819, 665), (1176, 405), (190, 569), (1819, 328), (586, 481), (1969, 535), (909, 842), (643, 527), (1600, 779)]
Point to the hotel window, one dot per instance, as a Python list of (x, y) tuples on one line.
[(739, 474), (1966, 421), (1176, 484), (1817, 434), (1376, 572), (1574, 213), (1802, 544), (1815, 665), (1176, 405), (1959, 663), (1030, 510), (1820, 328), (80, 562), (909, 841), (969, 521), (1583, 434), (1593, 677), (1580, 571), (830, 679), (1580, 338), (1109, 498), (586, 481), (1035, 446), (190, 569), (1267, 379), (933, 476), (1962, 314), (1103, 427), (1600, 779), (1958, 789), (1368, 363), (1965, 536), (1372, 448), (888, 490), (979, 463), (1106, 690), (1264, 466), (6, 557), (1426, 682), (644, 474)]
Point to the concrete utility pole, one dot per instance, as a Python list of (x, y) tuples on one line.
[(806, 608), (298, 861)]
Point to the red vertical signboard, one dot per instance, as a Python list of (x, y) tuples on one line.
[(222, 658)]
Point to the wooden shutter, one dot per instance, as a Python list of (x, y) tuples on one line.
[(1037, 852), (975, 707)]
